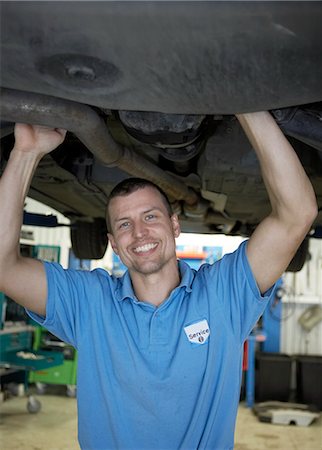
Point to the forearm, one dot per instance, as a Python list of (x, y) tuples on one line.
[(287, 184), (274, 242), (14, 186)]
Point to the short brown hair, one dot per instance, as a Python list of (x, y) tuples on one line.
[(130, 185)]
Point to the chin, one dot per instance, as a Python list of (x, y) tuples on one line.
[(148, 268)]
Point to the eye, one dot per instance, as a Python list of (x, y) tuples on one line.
[(124, 225), (150, 217)]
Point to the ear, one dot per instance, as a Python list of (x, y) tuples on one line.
[(112, 241), (175, 225)]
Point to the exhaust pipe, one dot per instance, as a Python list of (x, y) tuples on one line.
[(91, 130)]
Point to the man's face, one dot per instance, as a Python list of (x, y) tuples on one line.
[(143, 234)]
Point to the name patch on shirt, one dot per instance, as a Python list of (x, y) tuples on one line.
[(198, 332)]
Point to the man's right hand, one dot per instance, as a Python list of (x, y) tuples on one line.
[(37, 139)]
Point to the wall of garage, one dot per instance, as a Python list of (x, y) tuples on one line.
[(303, 291), (47, 236)]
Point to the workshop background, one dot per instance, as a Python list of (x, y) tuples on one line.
[(281, 395)]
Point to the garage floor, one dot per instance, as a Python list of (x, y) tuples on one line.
[(54, 428)]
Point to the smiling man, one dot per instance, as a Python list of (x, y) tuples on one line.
[(159, 349), (142, 232)]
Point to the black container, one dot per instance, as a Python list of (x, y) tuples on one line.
[(309, 380), (273, 377)]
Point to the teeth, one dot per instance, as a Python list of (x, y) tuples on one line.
[(144, 248)]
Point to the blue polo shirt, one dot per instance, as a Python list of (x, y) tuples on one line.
[(156, 378)]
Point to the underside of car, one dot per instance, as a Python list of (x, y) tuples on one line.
[(150, 90)]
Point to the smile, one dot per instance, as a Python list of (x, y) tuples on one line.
[(144, 248)]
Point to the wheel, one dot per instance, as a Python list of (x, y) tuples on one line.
[(71, 390), (300, 257), (33, 405), (89, 239)]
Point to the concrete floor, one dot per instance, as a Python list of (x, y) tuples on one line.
[(55, 428)]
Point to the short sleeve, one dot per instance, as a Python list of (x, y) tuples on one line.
[(237, 291), (71, 294)]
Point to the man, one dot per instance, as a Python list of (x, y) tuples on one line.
[(159, 349)]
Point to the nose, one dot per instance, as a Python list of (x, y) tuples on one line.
[(139, 230)]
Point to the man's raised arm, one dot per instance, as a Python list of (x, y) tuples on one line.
[(22, 279), (276, 239)]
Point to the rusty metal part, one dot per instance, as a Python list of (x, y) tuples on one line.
[(91, 130), (218, 218)]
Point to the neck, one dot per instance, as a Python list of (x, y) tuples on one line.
[(156, 287)]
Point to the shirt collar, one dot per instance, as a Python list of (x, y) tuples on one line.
[(124, 287)]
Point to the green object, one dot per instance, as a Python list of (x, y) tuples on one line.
[(16, 350), (3, 304), (13, 341), (64, 373), (32, 361)]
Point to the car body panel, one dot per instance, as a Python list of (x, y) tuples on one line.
[(171, 57)]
